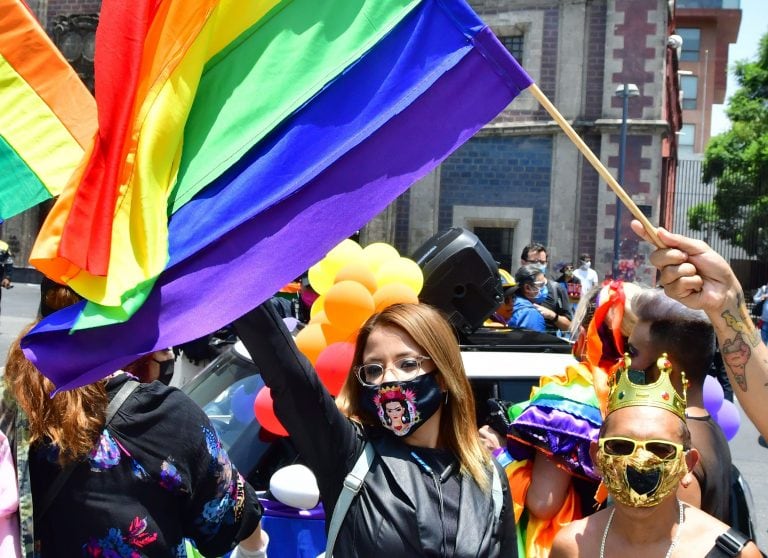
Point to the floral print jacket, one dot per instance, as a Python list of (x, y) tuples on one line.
[(158, 475)]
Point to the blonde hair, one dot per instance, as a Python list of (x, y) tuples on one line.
[(432, 332), (72, 420)]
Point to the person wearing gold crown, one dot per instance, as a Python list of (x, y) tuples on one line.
[(547, 460), (665, 325), (643, 454)]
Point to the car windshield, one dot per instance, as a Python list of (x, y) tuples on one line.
[(225, 390)]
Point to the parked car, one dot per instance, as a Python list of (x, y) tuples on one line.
[(501, 364)]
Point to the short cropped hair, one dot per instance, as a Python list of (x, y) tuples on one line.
[(684, 334), (533, 247)]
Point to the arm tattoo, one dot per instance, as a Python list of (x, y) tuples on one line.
[(743, 326), (737, 352)]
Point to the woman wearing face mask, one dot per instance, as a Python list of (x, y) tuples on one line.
[(154, 366), (431, 489), (527, 313), (118, 468)]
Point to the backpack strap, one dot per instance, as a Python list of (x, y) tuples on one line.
[(496, 492), (353, 482), (731, 542), (61, 479)]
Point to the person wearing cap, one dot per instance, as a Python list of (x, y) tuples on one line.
[(528, 294), (644, 454), (503, 313)]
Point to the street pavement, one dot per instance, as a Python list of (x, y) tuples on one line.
[(20, 304)]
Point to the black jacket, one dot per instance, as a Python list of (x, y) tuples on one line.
[(396, 513)]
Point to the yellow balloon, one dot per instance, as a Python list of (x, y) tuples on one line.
[(317, 307), (321, 277), (344, 252), (377, 254), (401, 270)]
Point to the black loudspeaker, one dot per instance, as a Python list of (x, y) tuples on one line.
[(461, 278)]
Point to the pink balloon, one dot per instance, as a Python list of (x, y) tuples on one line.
[(265, 413), (729, 419)]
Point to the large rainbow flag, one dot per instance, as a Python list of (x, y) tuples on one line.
[(384, 105), (48, 117)]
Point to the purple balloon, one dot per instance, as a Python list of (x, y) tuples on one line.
[(728, 418), (713, 395)]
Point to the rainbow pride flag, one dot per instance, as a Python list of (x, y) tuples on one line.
[(393, 114), (206, 81), (48, 117)]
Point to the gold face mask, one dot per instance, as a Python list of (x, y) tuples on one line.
[(642, 479)]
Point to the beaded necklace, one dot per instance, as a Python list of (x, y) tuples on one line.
[(672, 546)]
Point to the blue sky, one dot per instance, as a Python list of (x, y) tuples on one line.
[(753, 26)]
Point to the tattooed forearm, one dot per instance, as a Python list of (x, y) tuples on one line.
[(736, 353), (742, 326)]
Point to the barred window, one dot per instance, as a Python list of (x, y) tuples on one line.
[(514, 44)]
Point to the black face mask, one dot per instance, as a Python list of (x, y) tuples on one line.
[(402, 407), (166, 370), (643, 482)]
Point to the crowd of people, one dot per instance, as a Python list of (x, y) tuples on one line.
[(533, 301), (615, 454)]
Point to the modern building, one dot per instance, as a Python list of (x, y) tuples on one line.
[(707, 28)]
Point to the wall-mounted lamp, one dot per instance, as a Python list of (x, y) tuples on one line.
[(675, 41)]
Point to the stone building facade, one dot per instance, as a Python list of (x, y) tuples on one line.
[(521, 179)]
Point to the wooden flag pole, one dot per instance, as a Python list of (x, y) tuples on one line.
[(597, 164)]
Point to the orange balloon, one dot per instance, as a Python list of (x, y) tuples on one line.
[(394, 293), (331, 332), (358, 271), (348, 304), (335, 334), (311, 341)]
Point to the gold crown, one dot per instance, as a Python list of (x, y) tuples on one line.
[(625, 393)]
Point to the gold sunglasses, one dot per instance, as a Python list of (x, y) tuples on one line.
[(663, 449)]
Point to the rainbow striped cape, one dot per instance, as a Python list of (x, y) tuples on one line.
[(291, 138)]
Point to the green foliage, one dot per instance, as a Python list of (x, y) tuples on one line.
[(702, 216), (737, 162)]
